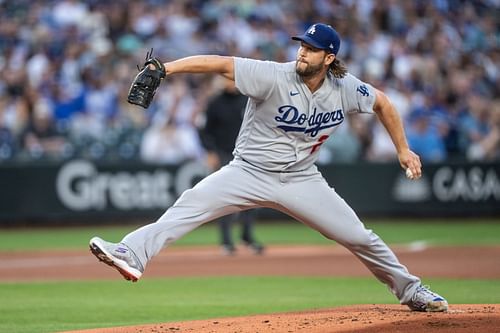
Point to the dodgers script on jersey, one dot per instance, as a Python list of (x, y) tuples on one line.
[(284, 123)]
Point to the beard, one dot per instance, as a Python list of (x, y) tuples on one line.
[(309, 70)]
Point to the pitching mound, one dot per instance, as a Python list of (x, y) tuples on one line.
[(462, 318)]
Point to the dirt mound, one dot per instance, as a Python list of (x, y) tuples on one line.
[(463, 318)]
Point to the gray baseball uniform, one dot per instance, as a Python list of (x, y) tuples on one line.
[(278, 143)]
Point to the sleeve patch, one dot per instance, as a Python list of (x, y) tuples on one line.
[(363, 90)]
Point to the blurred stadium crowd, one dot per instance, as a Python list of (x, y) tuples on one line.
[(66, 66)]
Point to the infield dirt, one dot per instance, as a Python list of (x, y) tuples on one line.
[(355, 319)]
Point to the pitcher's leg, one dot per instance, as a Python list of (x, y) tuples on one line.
[(218, 194), (319, 206)]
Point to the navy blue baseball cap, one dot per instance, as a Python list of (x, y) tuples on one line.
[(321, 36)]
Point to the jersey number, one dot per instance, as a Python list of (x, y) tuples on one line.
[(321, 140)]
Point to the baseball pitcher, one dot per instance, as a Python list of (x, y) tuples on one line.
[(292, 109)]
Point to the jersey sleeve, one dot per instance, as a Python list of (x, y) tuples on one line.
[(357, 96), (254, 78)]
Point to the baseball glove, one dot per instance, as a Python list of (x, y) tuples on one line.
[(146, 82)]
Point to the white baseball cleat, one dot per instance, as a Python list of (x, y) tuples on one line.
[(427, 301), (118, 256)]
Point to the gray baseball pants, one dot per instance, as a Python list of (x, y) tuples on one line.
[(304, 195)]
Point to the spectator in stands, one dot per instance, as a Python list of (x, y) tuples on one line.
[(486, 145), (427, 47), (476, 124), (168, 143), (7, 139), (41, 138), (424, 138)]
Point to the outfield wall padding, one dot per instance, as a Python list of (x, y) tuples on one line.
[(85, 190)]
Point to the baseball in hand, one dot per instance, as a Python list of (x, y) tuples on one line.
[(409, 174)]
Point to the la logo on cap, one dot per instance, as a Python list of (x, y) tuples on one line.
[(321, 36)]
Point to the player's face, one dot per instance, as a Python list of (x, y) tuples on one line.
[(310, 60)]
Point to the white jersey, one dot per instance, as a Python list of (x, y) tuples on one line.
[(284, 123)]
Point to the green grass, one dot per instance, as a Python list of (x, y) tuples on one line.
[(442, 232), (58, 306)]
